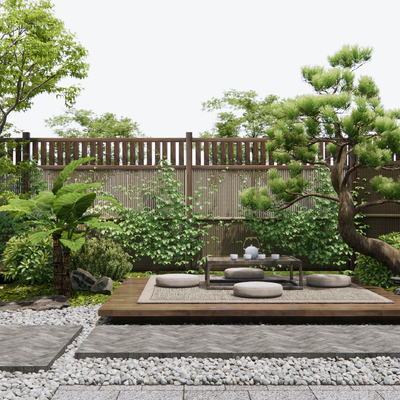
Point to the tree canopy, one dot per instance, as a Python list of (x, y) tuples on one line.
[(348, 114), (84, 123), (36, 53), (243, 113)]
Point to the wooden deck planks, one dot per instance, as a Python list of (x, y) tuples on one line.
[(123, 303)]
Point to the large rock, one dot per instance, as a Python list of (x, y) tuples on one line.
[(103, 286), (38, 303), (82, 280)]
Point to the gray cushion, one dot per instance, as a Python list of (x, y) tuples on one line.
[(328, 280), (177, 280), (257, 289), (244, 273)]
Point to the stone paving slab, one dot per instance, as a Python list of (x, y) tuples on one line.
[(377, 392), (30, 348), (230, 341)]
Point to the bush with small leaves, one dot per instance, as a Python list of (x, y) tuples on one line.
[(102, 257), (372, 272), (24, 261)]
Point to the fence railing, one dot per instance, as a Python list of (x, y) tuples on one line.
[(145, 153)]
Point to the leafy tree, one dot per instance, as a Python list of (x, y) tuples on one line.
[(36, 54), (86, 124), (62, 210), (350, 117), (244, 113)]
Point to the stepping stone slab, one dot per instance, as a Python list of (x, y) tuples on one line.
[(328, 280), (37, 303), (257, 289), (230, 341), (177, 280), (244, 273), (30, 348)]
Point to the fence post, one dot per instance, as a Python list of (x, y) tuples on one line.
[(189, 177), (25, 157)]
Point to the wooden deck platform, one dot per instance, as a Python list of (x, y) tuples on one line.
[(123, 307)]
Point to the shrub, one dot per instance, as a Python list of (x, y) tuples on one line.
[(25, 261), (311, 233), (161, 231), (102, 257), (372, 272)]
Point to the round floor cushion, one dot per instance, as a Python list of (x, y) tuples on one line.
[(257, 289), (177, 280), (244, 273), (328, 280)]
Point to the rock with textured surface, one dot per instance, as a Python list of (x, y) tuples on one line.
[(82, 280), (103, 286), (37, 303)]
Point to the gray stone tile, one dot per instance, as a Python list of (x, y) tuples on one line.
[(151, 395), (78, 388), (217, 395), (134, 341), (340, 393), (117, 388), (30, 348), (86, 393), (207, 387), (288, 393), (164, 388)]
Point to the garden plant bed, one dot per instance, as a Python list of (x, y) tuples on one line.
[(123, 307)]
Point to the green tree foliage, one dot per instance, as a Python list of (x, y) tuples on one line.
[(165, 229), (62, 210), (243, 114), (37, 53), (310, 232), (86, 124), (347, 114)]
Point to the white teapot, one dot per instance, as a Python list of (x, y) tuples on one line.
[(253, 251)]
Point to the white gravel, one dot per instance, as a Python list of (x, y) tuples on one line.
[(177, 371)]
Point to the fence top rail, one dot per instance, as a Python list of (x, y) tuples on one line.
[(103, 139)]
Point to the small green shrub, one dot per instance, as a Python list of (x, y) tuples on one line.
[(372, 272), (25, 261), (102, 257)]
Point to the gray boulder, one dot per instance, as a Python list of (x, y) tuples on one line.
[(103, 286), (82, 280), (37, 303), (397, 291)]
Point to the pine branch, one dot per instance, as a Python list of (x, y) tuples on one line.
[(358, 208)]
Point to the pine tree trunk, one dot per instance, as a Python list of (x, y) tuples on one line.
[(62, 283), (371, 247)]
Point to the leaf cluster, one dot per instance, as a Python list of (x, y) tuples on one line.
[(86, 124), (243, 113), (371, 271), (102, 257), (37, 53), (165, 229), (62, 210)]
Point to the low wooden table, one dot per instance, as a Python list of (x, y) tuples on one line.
[(222, 263)]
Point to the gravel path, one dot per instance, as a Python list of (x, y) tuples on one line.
[(183, 371)]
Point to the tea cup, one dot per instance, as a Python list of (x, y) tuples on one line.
[(234, 257), (261, 257), (275, 257), (247, 257)]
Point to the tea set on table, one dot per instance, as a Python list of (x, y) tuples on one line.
[(251, 253)]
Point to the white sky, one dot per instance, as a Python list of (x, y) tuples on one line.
[(156, 61)]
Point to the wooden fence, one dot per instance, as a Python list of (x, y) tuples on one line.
[(243, 162)]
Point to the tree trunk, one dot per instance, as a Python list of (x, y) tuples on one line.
[(62, 283), (371, 247)]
